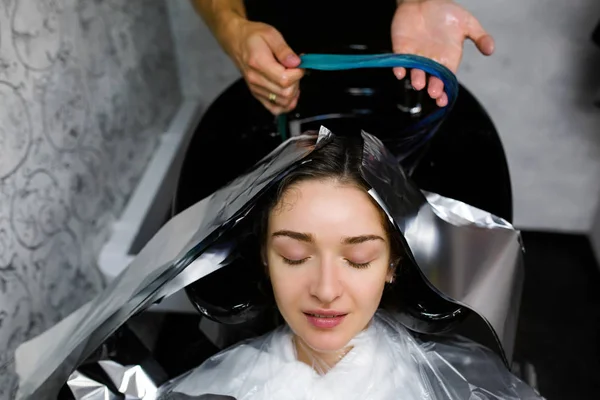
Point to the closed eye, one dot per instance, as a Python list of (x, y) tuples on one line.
[(359, 265), (293, 262), (352, 264)]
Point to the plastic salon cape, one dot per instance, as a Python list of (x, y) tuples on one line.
[(386, 362)]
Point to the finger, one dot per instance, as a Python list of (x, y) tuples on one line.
[(436, 87), (283, 99), (290, 77), (486, 45), (273, 108), (278, 74), (282, 68), (282, 52), (293, 105), (400, 72), (267, 95), (483, 40), (417, 79), (442, 101), (255, 79)]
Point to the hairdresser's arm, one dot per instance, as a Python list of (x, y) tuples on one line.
[(267, 63), (435, 29)]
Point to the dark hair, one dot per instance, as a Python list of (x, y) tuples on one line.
[(339, 160)]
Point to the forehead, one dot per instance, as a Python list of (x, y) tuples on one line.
[(315, 205)]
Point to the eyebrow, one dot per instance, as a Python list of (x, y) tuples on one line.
[(302, 237), (361, 239), (308, 238)]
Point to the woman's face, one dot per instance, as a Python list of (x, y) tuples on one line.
[(328, 257)]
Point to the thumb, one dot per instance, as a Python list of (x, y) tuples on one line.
[(483, 41), (283, 53)]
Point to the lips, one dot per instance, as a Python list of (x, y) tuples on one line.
[(324, 319), (324, 315)]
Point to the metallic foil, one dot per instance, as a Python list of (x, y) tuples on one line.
[(467, 255), (83, 387), (47, 360), (131, 381)]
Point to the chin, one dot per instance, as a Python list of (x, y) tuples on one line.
[(326, 341)]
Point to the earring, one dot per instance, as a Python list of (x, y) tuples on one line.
[(391, 280)]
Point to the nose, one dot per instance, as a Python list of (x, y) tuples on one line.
[(326, 285)]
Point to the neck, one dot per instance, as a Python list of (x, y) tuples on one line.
[(321, 362)]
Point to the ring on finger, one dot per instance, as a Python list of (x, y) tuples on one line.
[(272, 97)]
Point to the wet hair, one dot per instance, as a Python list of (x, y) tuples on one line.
[(339, 160)]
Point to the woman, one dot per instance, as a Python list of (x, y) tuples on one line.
[(330, 255)]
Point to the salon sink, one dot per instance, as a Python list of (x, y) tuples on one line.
[(464, 160)]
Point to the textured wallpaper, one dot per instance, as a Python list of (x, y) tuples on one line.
[(86, 87)]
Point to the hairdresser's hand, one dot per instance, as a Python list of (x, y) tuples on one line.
[(268, 65), (435, 29)]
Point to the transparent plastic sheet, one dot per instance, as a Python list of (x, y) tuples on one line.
[(44, 363), (385, 362), (195, 253)]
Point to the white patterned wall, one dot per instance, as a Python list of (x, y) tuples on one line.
[(86, 87)]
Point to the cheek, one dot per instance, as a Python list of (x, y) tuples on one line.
[(367, 288), (286, 282)]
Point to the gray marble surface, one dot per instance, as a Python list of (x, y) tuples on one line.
[(86, 87)]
